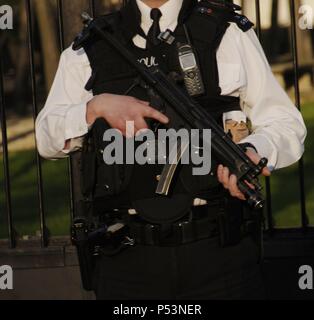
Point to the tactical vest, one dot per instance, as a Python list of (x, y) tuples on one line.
[(133, 186)]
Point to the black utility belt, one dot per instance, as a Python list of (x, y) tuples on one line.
[(200, 223), (179, 233)]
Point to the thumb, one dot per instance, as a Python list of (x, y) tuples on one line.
[(266, 172), (255, 157)]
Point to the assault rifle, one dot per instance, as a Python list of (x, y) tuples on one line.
[(193, 115)]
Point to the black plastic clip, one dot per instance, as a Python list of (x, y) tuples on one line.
[(167, 37)]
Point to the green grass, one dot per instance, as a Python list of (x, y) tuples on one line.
[(25, 195), (284, 185)]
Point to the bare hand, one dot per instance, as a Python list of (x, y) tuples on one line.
[(117, 110), (230, 181)]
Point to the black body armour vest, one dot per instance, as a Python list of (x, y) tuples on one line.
[(133, 186)]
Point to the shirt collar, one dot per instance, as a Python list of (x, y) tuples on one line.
[(170, 14), (174, 11)]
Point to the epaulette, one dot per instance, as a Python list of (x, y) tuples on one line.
[(85, 35), (226, 9)]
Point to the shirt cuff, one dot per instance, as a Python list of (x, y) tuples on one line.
[(75, 122), (75, 144), (238, 116), (264, 148)]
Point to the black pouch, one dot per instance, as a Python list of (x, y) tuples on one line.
[(109, 180)]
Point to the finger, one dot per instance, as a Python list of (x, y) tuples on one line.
[(250, 185), (233, 188), (266, 172), (145, 103), (156, 115), (256, 159), (225, 177), (140, 126), (127, 128), (253, 156), (128, 134), (140, 123), (219, 172), (241, 196), (120, 131)]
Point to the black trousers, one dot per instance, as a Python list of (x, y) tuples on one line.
[(198, 271)]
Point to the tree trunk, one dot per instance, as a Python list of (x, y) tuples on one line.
[(49, 39), (72, 18)]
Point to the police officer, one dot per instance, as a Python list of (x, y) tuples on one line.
[(201, 242)]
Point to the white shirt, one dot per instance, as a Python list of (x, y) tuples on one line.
[(278, 127)]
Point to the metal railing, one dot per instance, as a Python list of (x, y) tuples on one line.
[(301, 171), (6, 164)]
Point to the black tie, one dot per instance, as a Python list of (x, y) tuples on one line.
[(154, 31)]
